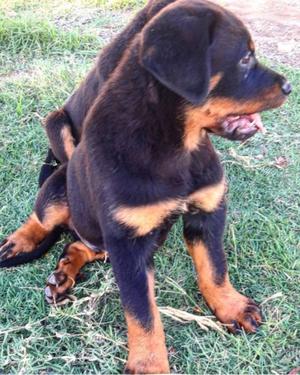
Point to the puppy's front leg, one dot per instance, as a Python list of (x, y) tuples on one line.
[(203, 234), (132, 264)]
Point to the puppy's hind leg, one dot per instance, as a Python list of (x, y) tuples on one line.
[(43, 227), (75, 256)]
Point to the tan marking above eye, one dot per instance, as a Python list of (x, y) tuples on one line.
[(208, 198), (251, 45), (214, 81), (148, 217)]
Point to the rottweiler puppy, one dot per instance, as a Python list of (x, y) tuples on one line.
[(64, 127), (135, 154)]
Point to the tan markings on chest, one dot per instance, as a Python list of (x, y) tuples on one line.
[(144, 219), (209, 198)]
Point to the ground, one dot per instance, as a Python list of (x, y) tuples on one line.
[(275, 27), (46, 48)]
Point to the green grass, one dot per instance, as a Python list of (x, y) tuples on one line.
[(120, 4), (43, 60), (27, 36)]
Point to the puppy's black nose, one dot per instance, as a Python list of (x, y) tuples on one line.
[(286, 87)]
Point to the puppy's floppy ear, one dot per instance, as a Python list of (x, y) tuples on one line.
[(175, 49)]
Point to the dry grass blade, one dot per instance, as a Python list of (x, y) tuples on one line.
[(204, 322), (274, 296)]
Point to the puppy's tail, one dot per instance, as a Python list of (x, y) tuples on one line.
[(58, 126), (40, 250)]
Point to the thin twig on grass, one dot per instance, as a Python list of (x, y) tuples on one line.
[(204, 322)]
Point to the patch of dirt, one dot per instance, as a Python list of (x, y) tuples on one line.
[(274, 25)]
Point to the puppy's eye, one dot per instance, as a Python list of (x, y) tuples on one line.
[(245, 60)]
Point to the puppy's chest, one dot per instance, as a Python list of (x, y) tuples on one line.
[(144, 219)]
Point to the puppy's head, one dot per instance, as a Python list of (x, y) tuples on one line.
[(206, 55)]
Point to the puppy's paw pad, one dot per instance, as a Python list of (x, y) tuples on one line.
[(58, 285)]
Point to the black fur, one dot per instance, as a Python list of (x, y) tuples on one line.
[(209, 229), (160, 49), (131, 152), (178, 66), (49, 166), (53, 191), (39, 251)]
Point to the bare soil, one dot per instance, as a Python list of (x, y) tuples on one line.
[(275, 27)]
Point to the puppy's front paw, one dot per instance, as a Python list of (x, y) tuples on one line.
[(150, 364), (237, 311)]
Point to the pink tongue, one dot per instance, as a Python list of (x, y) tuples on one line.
[(257, 122), (249, 120)]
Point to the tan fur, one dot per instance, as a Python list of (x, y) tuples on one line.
[(68, 140), (224, 300), (214, 81), (76, 256), (219, 108), (28, 236), (192, 134), (251, 45), (56, 214), (33, 231), (147, 349), (145, 218), (216, 109), (208, 198)]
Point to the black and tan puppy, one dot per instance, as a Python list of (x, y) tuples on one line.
[(64, 127), (141, 123)]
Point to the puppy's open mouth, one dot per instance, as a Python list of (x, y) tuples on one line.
[(245, 122)]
